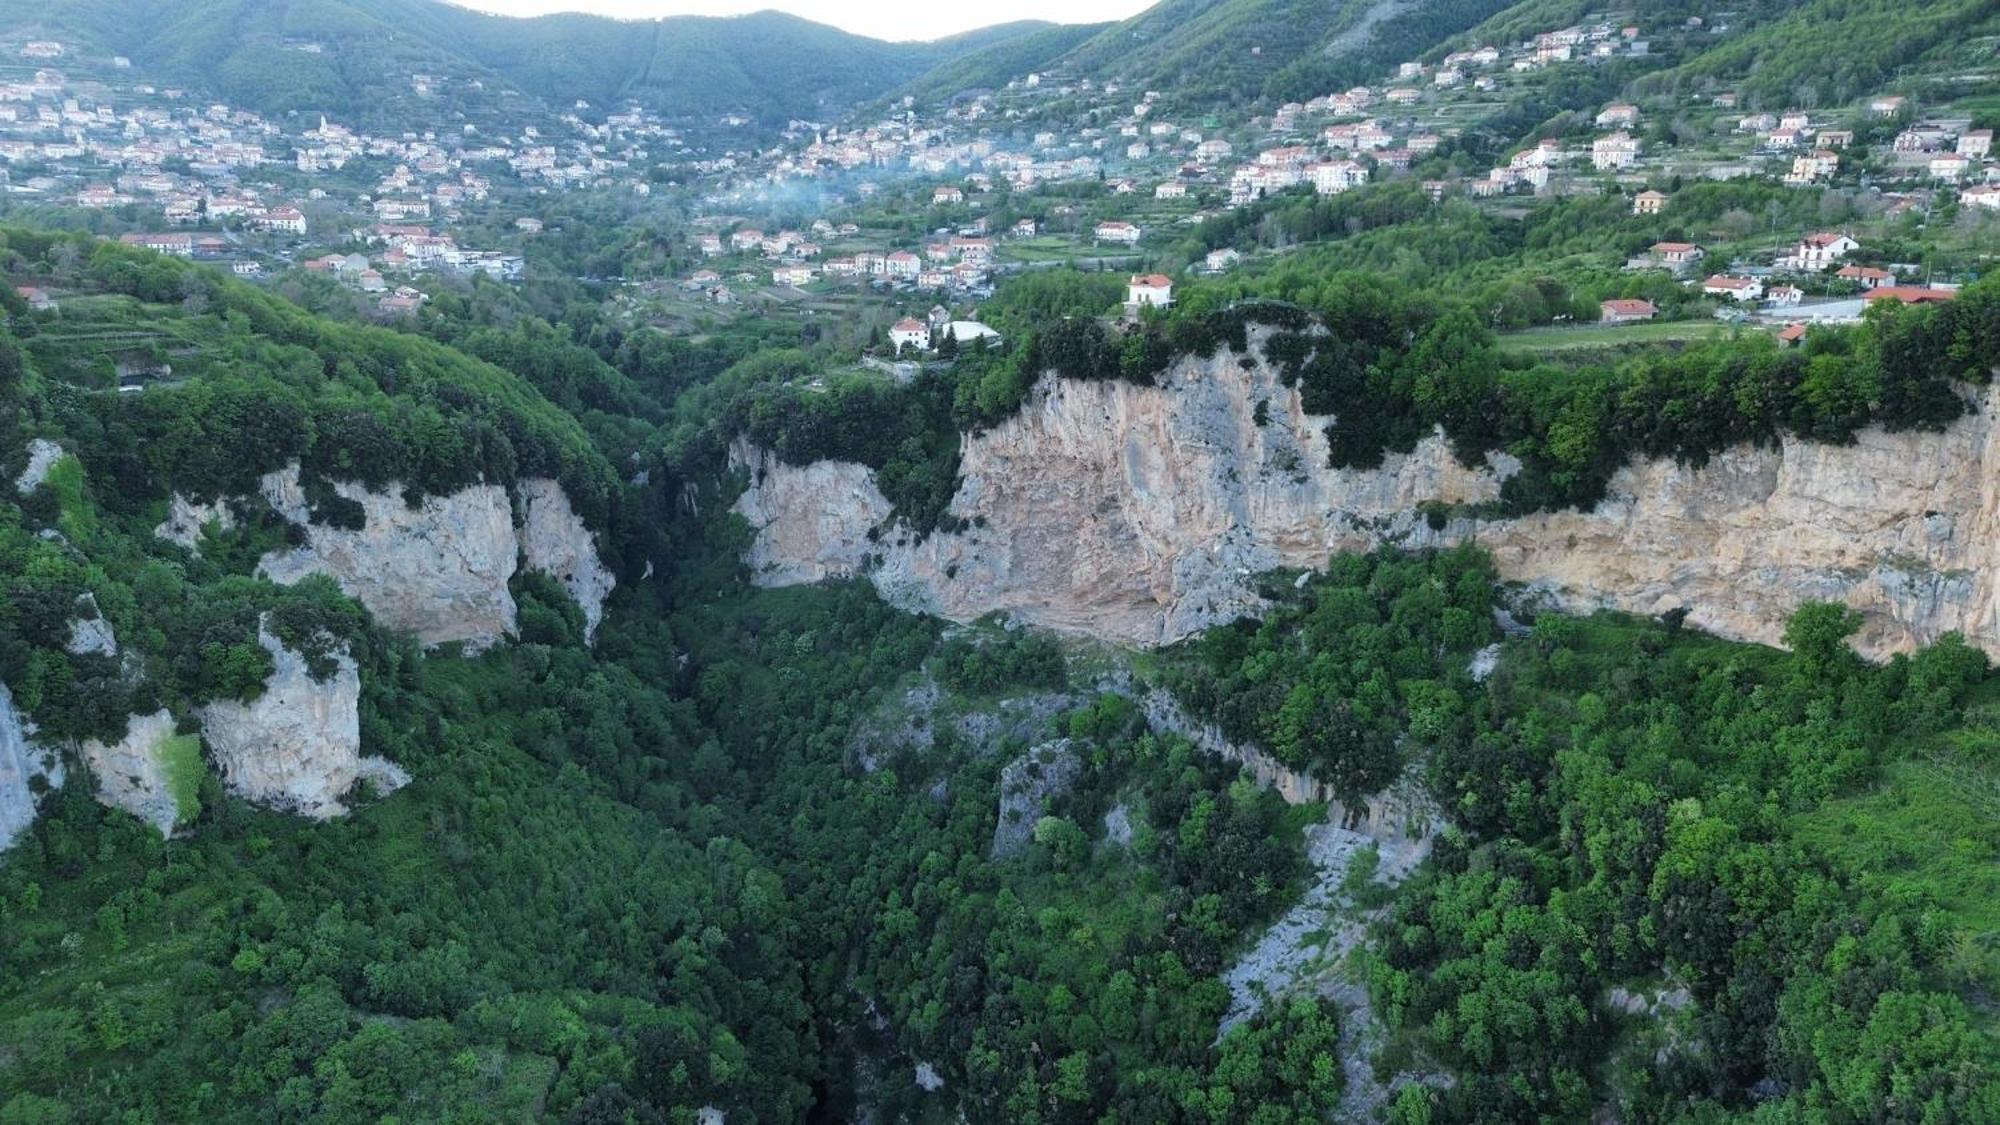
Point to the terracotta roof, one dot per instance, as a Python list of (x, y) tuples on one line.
[(1911, 294)]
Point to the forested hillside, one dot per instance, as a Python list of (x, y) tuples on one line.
[(351, 57), (750, 851), (531, 620)]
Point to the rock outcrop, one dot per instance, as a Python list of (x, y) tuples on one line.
[(42, 457), (440, 569), (187, 520), (555, 542), (1140, 514), (1026, 785), (296, 747), (132, 773), (89, 633), (22, 763)]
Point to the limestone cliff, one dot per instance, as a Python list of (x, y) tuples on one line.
[(555, 542), (296, 747), (22, 765), (42, 457), (439, 569), (187, 520), (132, 772), (1139, 514)]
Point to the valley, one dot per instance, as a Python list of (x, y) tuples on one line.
[(1264, 562)]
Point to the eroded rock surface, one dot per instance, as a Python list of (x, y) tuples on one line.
[(1139, 515), (132, 772), (555, 542), (22, 762), (1045, 772), (42, 457), (187, 520), (440, 569), (297, 747)]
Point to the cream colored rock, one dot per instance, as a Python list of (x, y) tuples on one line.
[(131, 773), (555, 542), (813, 521), (42, 457), (296, 747), (1139, 514), (1136, 514), (440, 569), (187, 520)]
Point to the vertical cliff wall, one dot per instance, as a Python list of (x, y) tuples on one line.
[(1140, 514), (439, 568), (296, 747)]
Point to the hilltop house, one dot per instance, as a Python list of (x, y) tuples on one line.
[(1152, 290), (1870, 277), (1620, 116), (1111, 230), (1985, 195), (289, 220), (1618, 150), (1649, 203)]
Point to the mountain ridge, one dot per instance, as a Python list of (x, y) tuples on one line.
[(353, 57)]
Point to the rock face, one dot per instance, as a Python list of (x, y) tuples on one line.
[(297, 747), (1139, 514), (21, 763), (555, 542), (186, 520), (132, 772), (42, 457), (1046, 771), (440, 569), (89, 633)]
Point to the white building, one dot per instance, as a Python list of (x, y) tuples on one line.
[(1151, 290), (911, 333), (1111, 230)]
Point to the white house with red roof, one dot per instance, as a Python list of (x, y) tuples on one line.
[(1112, 230), (911, 333), (1870, 277), (1819, 251), (1150, 290), (1734, 288)]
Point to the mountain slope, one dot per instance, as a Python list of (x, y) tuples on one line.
[(1208, 51), (1000, 62), (354, 57)]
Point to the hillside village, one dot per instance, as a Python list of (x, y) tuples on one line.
[(923, 203), (250, 194), (1025, 148)]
